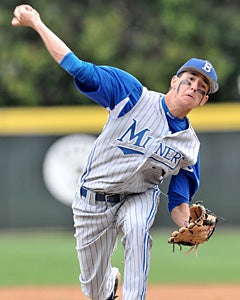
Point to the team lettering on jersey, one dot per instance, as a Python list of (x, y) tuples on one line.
[(141, 139), (171, 156)]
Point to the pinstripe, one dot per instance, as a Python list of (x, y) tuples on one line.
[(150, 220)]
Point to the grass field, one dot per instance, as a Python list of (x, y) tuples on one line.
[(45, 258)]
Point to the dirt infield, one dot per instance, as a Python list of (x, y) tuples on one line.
[(160, 292)]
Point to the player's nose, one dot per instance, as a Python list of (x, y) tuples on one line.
[(194, 86)]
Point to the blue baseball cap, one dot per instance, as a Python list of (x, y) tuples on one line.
[(203, 67)]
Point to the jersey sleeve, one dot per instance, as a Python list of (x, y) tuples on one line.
[(105, 85), (184, 185)]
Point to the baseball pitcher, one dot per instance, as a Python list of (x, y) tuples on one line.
[(147, 138)]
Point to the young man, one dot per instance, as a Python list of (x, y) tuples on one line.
[(146, 139)]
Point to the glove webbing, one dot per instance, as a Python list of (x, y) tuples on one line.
[(194, 248)]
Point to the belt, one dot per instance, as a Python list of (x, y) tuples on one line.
[(101, 197)]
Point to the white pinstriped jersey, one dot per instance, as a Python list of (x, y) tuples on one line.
[(138, 149)]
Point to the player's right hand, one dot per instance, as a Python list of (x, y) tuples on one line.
[(25, 15)]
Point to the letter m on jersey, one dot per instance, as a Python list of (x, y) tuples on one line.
[(131, 136)]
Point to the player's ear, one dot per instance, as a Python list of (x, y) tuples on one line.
[(174, 81), (204, 100)]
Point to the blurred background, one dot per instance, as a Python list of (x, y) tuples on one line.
[(149, 39), (39, 103), (47, 127)]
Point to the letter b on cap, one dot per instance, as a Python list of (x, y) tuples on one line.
[(207, 67)]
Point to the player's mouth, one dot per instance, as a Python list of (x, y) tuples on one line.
[(189, 96)]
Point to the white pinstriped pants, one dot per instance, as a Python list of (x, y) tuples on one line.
[(97, 226)]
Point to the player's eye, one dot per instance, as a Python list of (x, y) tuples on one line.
[(204, 87), (202, 91)]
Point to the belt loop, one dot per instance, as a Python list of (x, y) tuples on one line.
[(83, 191), (106, 202)]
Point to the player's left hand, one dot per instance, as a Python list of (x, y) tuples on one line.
[(201, 226), (25, 15)]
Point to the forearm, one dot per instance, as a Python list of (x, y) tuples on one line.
[(180, 214), (55, 46)]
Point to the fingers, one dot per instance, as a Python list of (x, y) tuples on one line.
[(15, 22), (22, 15), (20, 9)]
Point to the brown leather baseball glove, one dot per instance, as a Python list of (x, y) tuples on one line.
[(202, 223)]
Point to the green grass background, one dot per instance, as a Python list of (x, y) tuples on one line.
[(46, 258)]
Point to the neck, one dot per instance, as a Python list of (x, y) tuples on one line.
[(174, 108)]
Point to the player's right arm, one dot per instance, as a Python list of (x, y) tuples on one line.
[(105, 85), (25, 15)]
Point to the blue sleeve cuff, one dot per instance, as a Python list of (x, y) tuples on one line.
[(66, 62), (175, 199)]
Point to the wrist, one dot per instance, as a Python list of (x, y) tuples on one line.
[(38, 25)]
